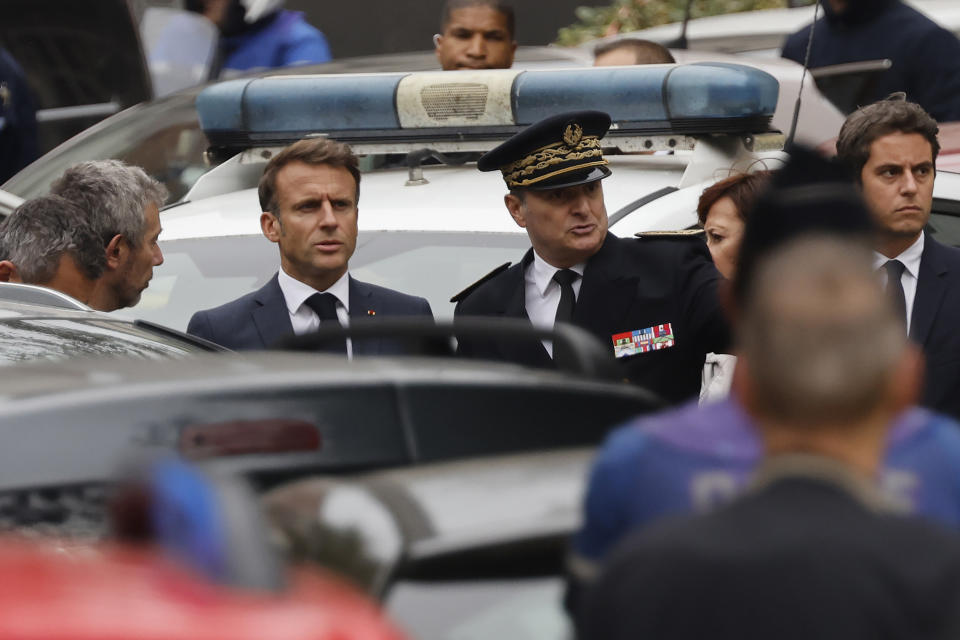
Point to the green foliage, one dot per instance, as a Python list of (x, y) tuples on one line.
[(631, 15)]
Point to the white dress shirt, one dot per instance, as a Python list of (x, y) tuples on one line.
[(543, 294), (303, 318), (911, 260)]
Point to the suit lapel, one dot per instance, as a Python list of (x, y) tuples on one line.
[(603, 301), (931, 285), (530, 352), (362, 301), (272, 318)]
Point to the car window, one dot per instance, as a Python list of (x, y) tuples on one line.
[(163, 137), (203, 273), (59, 338), (481, 609)]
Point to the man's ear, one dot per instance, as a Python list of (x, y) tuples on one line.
[(8, 272), (516, 209), (116, 250), (270, 225)]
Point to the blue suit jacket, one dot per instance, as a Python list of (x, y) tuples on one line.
[(260, 319), (934, 325)]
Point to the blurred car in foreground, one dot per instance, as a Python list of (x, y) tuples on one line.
[(42, 324), (275, 416), (471, 549)]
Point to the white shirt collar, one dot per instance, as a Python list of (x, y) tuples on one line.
[(543, 272), (910, 258), (296, 293)]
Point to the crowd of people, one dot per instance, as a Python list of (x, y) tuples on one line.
[(805, 481)]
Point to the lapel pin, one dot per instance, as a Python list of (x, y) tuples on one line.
[(371, 312)]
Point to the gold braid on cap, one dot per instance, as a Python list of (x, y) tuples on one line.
[(518, 173)]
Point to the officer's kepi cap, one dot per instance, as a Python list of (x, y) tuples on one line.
[(559, 151)]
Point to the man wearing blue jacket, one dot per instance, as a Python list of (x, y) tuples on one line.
[(260, 34)]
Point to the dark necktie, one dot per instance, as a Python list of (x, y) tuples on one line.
[(565, 278), (895, 270), (325, 306)]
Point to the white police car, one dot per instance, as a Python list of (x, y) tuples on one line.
[(430, 223)]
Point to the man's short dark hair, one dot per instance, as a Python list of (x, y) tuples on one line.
[(644, 51), (500, 7), (39, 231), (893, 114), (312, 151)]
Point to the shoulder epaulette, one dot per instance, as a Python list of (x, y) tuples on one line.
[(466, 292), (679, 234)]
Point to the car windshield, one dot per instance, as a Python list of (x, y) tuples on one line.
[(481, 609), (202, 273), (24, 339)]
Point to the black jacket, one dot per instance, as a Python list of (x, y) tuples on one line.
[(934, 325), (801, 558), (630, 284), (925, 56)]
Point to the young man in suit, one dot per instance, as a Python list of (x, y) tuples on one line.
[(652, 302), (812, 550), (309, 194), (891, 148)]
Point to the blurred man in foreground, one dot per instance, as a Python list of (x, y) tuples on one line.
[(812, 550), (891, 148), (476, 34), (627, 51), (49, 242), (121, 204), (697, 458)]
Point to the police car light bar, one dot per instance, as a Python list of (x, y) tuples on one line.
[(693, 99)]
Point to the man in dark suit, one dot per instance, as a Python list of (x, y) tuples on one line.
[(652, 302), (309, 194), (891, 148), (812, 550)]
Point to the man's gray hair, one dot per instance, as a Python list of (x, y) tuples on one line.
[(114, 195), (819, 334), (41, 230)]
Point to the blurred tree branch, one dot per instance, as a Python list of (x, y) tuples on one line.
[(632, 15)]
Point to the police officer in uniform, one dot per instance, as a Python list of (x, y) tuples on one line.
[(652, 302)]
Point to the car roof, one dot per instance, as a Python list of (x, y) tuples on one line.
[(485, 501), (366, 413), (403, 520)]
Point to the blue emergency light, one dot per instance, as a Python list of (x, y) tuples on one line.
[(688, 99)]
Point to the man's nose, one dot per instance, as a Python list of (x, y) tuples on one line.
[(325, 216), (157, 256), (478, 47), (909, 182)]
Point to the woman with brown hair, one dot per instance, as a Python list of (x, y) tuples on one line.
[(723, 211)]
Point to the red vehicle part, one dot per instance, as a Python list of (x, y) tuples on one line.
[(75, 592)]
